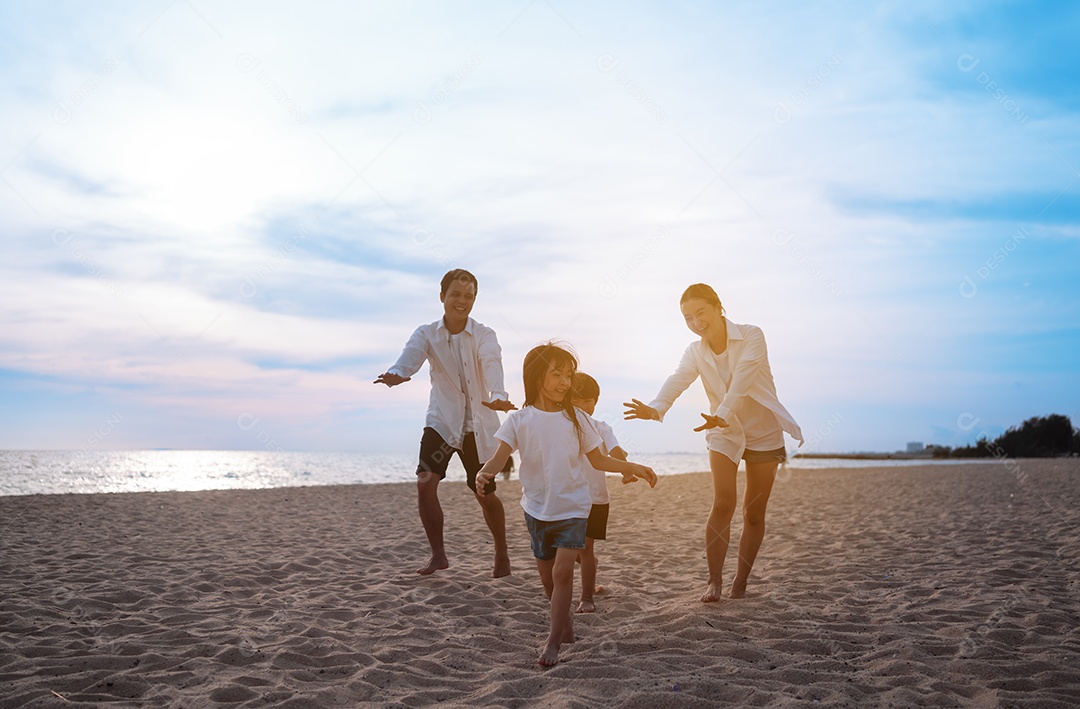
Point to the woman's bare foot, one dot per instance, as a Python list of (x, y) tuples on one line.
[(436, 563), (712, 593), (586, 606), (738, 588), (502, 565)]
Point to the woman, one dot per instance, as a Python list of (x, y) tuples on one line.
[(747, 422)]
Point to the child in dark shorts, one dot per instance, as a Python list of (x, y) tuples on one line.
[(584, 393)]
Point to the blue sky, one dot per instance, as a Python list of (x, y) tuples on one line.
[(221, 223)]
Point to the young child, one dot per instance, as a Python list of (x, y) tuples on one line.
[(584, 393), (557, 445)]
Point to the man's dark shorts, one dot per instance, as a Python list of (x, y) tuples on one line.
[(435, 454)]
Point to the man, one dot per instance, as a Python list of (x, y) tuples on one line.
[(465, 363)]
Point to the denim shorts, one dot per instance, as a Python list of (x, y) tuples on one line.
[(546, 537)]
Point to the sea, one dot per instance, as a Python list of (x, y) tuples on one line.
[(50, 472)]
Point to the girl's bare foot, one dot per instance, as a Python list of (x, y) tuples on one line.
[(712, 593), (586, 607), (436, 563), (549, 654), (568, 631), (738, 588)]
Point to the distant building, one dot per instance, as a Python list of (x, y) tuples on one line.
[(915, 447)]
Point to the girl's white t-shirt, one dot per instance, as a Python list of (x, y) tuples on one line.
[(553, 471), (598, 478)]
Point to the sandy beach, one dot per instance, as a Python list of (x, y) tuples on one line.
[(922, 586)]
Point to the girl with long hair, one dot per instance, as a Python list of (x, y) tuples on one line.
[(556, 442)]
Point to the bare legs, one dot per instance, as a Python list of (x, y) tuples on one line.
[(431, 516), (558, 577), (718, 526), (495, 516), (759, 484), (587, 557)]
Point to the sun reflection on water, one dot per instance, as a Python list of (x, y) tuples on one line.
[(57, 472)]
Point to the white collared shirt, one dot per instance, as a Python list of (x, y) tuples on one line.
[(481, 362), (751, 380), (459, 360)]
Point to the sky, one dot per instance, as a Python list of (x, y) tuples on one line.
[(221, 221)]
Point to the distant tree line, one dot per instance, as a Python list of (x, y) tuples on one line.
[(1039, 437)]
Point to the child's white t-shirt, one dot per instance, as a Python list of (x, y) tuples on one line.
[(598, 478), (554, 482)]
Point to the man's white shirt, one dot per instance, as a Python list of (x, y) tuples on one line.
[(479, 377)]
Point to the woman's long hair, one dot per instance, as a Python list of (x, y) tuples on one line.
[(537, 363)]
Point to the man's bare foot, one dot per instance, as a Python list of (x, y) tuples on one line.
[(502, 566), (712, 593), (549, 654), (436, 563), (586, 607), (738, 588)]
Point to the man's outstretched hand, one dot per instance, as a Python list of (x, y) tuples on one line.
[(390, 379), (499, 405)]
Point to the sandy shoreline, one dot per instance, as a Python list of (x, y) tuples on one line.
[(930, 585)]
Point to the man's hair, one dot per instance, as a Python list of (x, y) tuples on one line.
[(458, 274), (582, 386)]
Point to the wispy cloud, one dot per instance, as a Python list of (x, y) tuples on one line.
[(1047, 208)]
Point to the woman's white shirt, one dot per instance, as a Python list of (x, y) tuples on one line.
[(744, 395), (760, 428)]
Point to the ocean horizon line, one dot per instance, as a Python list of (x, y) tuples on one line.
[(792, 452), (31, 472)]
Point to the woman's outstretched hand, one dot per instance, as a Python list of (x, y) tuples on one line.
[(638, 410), (712, 422)]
